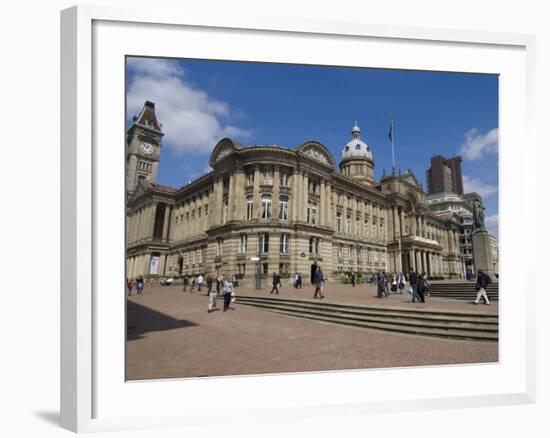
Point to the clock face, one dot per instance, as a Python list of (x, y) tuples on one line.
[(147, 148)]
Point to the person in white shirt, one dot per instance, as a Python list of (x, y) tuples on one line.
[(200, 279)]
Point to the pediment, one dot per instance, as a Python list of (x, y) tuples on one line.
[(225, 147), (318, 152)]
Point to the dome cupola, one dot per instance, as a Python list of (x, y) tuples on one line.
[(357, 161)]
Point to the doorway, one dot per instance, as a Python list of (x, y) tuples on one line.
[(313, 271)]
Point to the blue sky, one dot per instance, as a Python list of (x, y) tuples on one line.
[(198, 102)]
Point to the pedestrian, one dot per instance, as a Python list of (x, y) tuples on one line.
[(192, 284), (185, 283), (139, 285), (413, 282), (422, 287), (227, 292), (276, 283), (218, 284), (394, 284), (209, 284), (353, 279), (401, 282), (300, 280), (483, 280), (296, 280), (200, 279), (319, 281), (387, 284), (379, 278), (131, 284)]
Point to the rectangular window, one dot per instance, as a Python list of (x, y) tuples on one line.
[(265, 268), (249, 207), (250, 178), (339, 222), (263, 243), (314, 245), (313, 187), (283, 179), (283, 208), (285, 244), (267, 177), (266, 206), (242, 244), (219, 247), (348, 224), (312, 214), (357, 227), (284, 268), (340, 252)]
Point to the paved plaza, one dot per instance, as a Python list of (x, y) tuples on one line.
[(171, 335)]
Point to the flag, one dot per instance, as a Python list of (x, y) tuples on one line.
[(390, 134)]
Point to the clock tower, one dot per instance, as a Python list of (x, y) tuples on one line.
[(143, 148)]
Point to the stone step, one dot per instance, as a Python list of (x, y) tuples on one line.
[(484, 327), (393, 312)]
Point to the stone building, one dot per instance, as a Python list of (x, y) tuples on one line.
[(448, 204), (266, 208)]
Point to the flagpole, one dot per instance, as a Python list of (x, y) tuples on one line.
[(392, 152), (393, 173)]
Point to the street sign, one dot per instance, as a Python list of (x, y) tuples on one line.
[(255, 259)]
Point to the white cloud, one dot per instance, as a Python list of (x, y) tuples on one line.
[(491, 223), (476, 144), (192, 121), (476, 185)]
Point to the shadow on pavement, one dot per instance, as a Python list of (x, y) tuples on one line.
[(142, 319)]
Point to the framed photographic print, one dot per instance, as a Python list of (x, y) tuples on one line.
[(257, 209)]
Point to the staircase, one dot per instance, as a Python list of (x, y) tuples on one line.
[(465, 291), (446, 324)]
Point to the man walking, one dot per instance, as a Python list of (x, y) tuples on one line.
[(481, 285), (276, 283), (413, 281), (212, 298), (199, 281), (319, 281), (353, 279), (227, 292), (139, 285)]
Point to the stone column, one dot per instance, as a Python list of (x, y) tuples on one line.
[(328, 212), (395, 223), (305, 191), (276, 192), (167, 212), (423, 261), (231, 197), (256, 202), (323, 205), (151, 220)]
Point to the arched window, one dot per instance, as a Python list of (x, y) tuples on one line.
[(357, 147), (266, 206), (283, 207)]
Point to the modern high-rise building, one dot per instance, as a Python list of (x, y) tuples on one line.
[(445, 175)]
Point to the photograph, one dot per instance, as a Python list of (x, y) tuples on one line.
[(287, 218)]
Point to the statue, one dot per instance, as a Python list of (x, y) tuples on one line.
[(479, 217)]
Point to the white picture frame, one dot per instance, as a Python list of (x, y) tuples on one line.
[(93, 396)]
